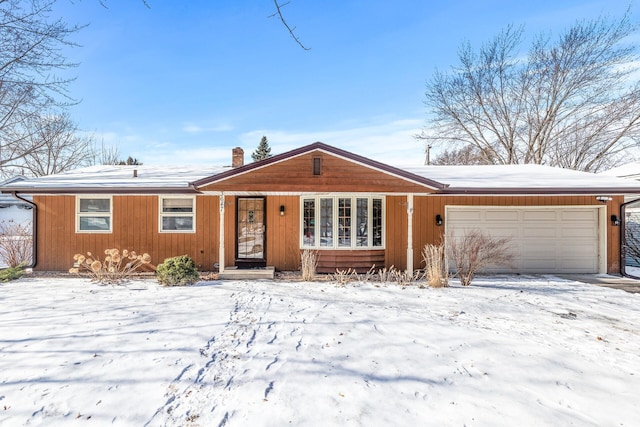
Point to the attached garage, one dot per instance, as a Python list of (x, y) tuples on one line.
[(547, 239)]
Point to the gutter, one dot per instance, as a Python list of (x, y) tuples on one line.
[(34, 222), (623, 226)]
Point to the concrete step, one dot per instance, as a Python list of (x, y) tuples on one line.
[(234, 273)]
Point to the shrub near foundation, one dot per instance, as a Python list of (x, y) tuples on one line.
[(177, 271)]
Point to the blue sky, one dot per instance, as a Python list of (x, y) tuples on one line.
[(185, 81)]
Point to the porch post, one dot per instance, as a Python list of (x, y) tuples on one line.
[(221, 238), (410, 233)]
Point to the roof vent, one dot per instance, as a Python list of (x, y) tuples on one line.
[(135, 173)]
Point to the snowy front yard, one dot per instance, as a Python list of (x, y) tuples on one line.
[(505, 351)]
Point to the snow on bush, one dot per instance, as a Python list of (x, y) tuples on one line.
[(16, 243)]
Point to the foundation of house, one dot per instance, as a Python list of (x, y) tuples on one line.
[(235, 273)]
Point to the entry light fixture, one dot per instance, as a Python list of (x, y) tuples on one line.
[(615, 220), (603, 199), (281, 210), (438, 220)]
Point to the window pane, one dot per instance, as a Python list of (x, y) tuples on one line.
[(362, 234), (376, 222), (95, 205), (91, 223), (326, 222), (309, 218), (344, 222), (177, 223), (177, 205)]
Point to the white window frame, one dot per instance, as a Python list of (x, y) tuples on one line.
[(162, 214), (108, 215), (335, 225)]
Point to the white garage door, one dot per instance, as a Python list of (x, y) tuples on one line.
[(546, 239)]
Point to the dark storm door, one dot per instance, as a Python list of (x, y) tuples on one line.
[(250, 232)]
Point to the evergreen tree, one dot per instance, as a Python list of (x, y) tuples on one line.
[(263, 151), (129, 162)]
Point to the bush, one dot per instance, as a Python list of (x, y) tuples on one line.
[(475, 251), (177, 271), (114, 269), (309, 264), (16, 243), (435, 269), (11, 273)]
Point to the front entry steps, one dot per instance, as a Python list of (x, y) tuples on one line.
[(235, 273)]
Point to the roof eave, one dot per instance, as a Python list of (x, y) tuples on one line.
[(100, 190), (539, 191)]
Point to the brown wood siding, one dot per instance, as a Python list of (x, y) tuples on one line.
[(134, 227), (296, 175), (361, 261), (283, 232), (396, 232), (426, 207)]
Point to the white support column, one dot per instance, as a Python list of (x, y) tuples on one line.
[(221, 239), (410, 233)]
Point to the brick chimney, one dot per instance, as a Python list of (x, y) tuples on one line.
[(237, 157)]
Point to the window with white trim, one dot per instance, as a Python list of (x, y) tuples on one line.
[(342, 222), (177, 214), (93, 214)]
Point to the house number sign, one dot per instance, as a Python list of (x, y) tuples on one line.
[(251, 217)]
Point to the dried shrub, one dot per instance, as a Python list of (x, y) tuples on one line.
[(115, 268), (309, 264), (406, 277), (475, 251), (177, 271), (16, 243), (435, 270), (342, 277)]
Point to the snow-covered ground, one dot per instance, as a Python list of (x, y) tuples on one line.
[(504, 351)]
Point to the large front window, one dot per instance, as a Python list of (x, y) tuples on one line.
[(342, 222), (177, 214), (93, 214)]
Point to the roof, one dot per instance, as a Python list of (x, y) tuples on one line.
[(494, 179), (522, 179), (118, 179), (629, 171)]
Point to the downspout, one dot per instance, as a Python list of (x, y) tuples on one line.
[(623, 226), (34, 222)]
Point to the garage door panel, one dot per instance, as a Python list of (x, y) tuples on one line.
[(502, 215), (535, 215), (530, 231), (546, 239), (585, 233), (464, 215), (574, 215)]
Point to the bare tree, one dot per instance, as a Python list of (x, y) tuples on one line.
[(571, 103), (52, 144), (467, 155), (31, 58)]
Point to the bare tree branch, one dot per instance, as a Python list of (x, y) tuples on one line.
[(284, 22), (571, 103)]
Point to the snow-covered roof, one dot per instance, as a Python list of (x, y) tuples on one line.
[(629, 171), (519, 177), (108, 177), (494, 179)]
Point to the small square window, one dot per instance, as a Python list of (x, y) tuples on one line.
[(93, 214), (177, 214)]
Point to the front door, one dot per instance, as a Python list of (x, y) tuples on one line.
[(250, 229)]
